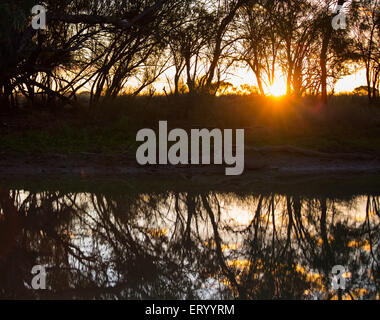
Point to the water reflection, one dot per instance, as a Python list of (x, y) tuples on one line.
[(177, 245)]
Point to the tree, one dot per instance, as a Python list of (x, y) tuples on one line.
[(335, 45), (57, 62), (259, 43), (188, 42), (199, 46), (366, 35), (297, 29)]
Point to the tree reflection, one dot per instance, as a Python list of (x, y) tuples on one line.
[(177, 245)]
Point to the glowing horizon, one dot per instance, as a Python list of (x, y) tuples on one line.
[(243, 76)]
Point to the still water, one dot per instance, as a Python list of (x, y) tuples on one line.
[(160, 239)]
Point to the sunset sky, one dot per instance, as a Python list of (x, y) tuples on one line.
[(241, 76)]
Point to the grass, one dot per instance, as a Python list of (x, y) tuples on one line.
[(346, 124), (70, 138), (331, 186)]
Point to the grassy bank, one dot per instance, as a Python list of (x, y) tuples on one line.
[(346, 124)]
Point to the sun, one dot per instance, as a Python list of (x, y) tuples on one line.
[(277, 89)]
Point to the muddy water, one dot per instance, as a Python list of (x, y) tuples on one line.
[(146, 238)]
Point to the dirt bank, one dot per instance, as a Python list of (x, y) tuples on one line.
[(282, 160)]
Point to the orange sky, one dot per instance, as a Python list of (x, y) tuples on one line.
[(346, 84), (241, 76)]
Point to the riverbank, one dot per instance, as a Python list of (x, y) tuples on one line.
[(285, 160), (282, 136)]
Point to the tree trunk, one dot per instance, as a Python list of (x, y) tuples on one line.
[(322, 62)]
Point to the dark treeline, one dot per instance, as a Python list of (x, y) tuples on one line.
[(111, 47)]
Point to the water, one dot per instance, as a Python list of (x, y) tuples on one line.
[(144, 238)]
